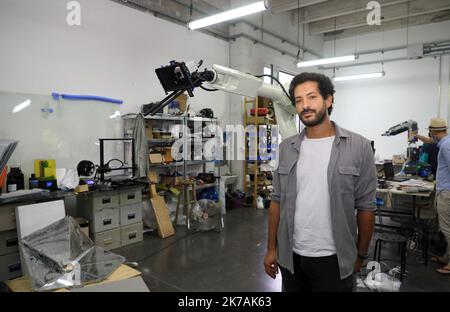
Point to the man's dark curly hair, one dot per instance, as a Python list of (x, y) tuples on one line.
[(326, 87)]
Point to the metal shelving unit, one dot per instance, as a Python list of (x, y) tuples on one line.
[(255, 184), (184, 121), (181, 163)]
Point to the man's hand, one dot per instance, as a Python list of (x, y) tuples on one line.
[(270, 264), (358, 265)]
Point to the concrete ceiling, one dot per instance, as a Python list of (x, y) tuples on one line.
[(329, 18), (184, 11), (346, 18)]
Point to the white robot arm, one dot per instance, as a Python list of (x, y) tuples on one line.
[(180, 77), (233, 81)]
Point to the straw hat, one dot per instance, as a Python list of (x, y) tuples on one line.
[(438, 124)]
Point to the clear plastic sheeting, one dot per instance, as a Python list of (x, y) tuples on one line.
[(206, 215), (381, 282), (61, 255)]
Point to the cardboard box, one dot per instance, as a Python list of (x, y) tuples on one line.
[(156, 158), (172, 181), (82, 188), (182, 101), (168, 155), (149, 129)]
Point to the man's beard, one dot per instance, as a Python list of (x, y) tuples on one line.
[(320, 117)]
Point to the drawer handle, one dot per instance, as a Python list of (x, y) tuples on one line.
[(108, 264), (131, 216), (12, 242), (107, 221), (132, 235), (106, 200), (107, 241), (14, 267), (131, 196)]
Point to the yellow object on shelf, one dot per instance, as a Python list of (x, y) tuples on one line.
[(45, 168)]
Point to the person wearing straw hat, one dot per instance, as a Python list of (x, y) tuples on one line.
[(438, 129), (429, 148)]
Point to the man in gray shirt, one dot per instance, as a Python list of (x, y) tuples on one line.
[(325, 174), (438, 128)]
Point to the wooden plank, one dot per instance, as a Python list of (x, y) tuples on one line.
[(153, 177), (165, 227), (153, 192), (23, 284)]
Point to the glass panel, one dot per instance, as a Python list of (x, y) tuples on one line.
[(67, 131)]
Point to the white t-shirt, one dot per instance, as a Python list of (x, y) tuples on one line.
[(313, 234)]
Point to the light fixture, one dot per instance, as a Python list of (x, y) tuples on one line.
[(331, 60), (21, 106), (228, 15), (361, 76), (115, 115)]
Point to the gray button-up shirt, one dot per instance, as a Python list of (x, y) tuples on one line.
[(352, 182)]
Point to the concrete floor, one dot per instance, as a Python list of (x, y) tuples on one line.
[(232, 260)]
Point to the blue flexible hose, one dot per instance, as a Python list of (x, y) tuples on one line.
[(86, 98)]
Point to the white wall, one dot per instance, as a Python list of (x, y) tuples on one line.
[(249, 57), (372, 106), (410, 89), (113, 53)]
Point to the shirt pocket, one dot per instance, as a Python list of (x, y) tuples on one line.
[(283, 171), (347, 177)]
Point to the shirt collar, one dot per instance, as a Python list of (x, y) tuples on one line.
[(340, 133)]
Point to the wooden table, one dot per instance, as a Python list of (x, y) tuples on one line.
[(394, 189), (23, 284)]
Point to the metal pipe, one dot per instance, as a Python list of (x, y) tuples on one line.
[(437, 50), (344, 27), (283, 40), (255, 40), (439, 86)]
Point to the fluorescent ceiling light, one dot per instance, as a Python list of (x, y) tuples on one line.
[(331, 60), (22, 106), (362, 76), (228, 15), (115, 115)]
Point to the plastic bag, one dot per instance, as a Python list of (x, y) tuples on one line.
[(206, 215), (70, 180), (378, 281)]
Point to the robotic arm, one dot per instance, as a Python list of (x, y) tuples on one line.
[(181, 77), (233, 81), (410, 126)]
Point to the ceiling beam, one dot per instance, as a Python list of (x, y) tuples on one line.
[(395, 12), (279, 6), (336, 8), (385, 26)]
